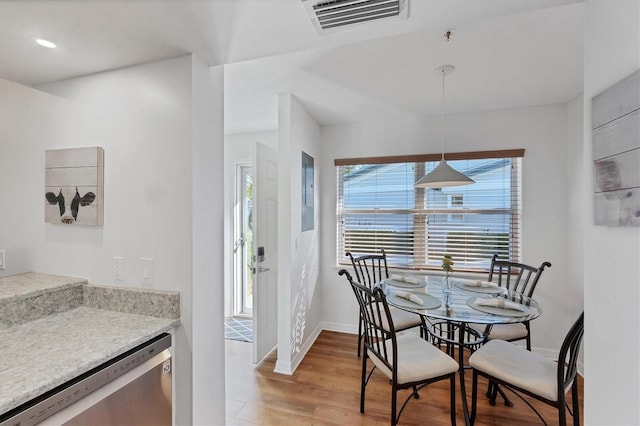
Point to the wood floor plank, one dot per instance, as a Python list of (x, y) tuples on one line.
[(325, 390)]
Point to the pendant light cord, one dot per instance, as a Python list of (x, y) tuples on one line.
[(442, 117)]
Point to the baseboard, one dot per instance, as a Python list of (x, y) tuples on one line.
[(288, 368), (283, 368), (338, 327), (305, 347)]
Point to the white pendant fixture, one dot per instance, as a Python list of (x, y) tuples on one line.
[(443, 175)]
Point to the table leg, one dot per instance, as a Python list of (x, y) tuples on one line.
[(463, 392)]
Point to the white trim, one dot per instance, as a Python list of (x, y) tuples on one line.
[(338, 327), (283, 368), (289, 368)]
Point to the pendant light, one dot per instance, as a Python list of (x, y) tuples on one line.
[(443, 175)]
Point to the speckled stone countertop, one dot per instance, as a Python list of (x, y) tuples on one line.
[(39, 354)]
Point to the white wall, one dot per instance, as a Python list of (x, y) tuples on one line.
[(142, 116), (542, 131), (238, 149), (576, 217), (611, 254), (298, 252), (27, 127), (208, 248)]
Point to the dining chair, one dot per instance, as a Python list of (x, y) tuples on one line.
[(369, 270), (520, 278), (407, 360), (526, 372)]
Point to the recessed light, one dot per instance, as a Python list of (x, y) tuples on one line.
[(45, 43)]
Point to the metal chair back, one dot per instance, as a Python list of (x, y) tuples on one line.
[(370, 269), (568, 357), (516, 276)]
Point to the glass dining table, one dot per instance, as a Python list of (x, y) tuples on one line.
[(450, 310)]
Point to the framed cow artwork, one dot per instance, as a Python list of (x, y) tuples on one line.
[(74, 186)]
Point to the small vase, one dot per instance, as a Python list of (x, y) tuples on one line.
[(446, 291), (446, 283)]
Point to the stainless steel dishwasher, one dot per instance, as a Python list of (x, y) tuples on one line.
[(131, 389)]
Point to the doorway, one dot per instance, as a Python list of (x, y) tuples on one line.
[(240, 326), (254, 284)]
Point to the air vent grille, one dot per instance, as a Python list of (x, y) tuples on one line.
[(331, 15)]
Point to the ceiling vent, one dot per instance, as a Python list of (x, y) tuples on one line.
[(330, 16)]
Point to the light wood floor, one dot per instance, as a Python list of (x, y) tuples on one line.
[(325, 390)]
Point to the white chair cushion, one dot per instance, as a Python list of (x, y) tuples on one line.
[(401, 319), (417, 360), (518, 366), (503, 331)]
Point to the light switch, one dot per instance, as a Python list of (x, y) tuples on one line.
[(3, 264), (146, 271), (118, 268)]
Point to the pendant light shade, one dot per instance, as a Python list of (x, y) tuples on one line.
[(443, 175)]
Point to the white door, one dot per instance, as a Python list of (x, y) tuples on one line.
[(265, 243)]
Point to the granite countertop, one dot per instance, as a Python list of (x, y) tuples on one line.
[(39, 354)]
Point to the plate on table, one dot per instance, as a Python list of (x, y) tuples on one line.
[(495, 310), (403, 284), (430, 302), (462, 284)]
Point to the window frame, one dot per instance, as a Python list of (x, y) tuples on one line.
[(419, 230)]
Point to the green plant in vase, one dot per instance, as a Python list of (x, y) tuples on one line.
[(447, 266), (447, 263)]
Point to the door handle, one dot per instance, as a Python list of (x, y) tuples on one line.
[(261, 269)]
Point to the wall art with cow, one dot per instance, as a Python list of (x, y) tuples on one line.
[(74, 182)]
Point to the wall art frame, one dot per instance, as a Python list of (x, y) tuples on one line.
[(307, 192), (74, 186), (615, 124)]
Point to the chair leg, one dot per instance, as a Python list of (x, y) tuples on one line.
[(474, 396), (363, 383), (394, 405), (359, 334), (494, 393), (489, 390), (562, 411), (575, 402), (498, 390), (453, 399)]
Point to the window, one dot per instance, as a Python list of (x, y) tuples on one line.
[(455, 202), (379, 207)]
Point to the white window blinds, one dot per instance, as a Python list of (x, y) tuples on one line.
[(378, 207)]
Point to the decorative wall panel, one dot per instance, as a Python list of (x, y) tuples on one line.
[(616, 153)]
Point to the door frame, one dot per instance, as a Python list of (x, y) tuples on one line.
[(241, 270)]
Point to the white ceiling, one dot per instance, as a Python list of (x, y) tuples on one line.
[(507, 53)]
